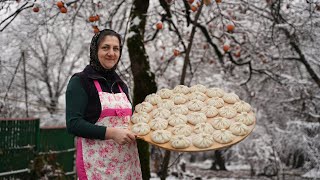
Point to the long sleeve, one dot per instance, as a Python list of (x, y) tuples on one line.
[(76, 103)]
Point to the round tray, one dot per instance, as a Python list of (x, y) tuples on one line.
[(192, 148)]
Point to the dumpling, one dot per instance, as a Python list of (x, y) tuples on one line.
[(165, 93), (242, 106), (216, 102), (203, 128), (196, 118), (230, 98), (140, 129), (210, 111), (220, 123), (181, 89), (180, 109), (227, 112), (140, 117), (160, 136), (153, 98), (195, 105), (182, 129), (222, 136), (166, 103), (161, 112), (144, 107), (245, 118), (197, 95), (176, 119), (180, 142), (215, 92), (239, 129), (158, 123), (198, 87), (202, 140), (179, 98)]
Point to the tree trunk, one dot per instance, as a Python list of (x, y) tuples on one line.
[(144, 82), (218, 161)]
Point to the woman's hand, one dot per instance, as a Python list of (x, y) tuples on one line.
[(120, 136)]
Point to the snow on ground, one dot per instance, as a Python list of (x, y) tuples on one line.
[(313, 173)]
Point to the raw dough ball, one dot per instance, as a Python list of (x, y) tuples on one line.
[(196, 118), (161, 112), (181, 89), (158, 123), (160, 136), (210, 111), (197, 95), (220, 123), (140, 117), (180, 142), (182, 129), (165, 93), (203, 128), (222, 136), (140, 129), (143, 107), (202, 140), (180, 109), (198, 87), (215, 92), (176, 119), (179, 98), (166, 103), (242, 106), (216, 102), (230, 98), (239, 129), (153, 98), (195, 105), (227, 112), (245, 118)]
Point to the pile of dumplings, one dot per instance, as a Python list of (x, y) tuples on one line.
[(194, 116)]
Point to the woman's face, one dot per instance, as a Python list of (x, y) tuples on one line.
[(109, 51)]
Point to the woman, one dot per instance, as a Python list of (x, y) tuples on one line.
[(98, 111)]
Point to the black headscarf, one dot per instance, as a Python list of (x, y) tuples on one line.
[(94, 60)]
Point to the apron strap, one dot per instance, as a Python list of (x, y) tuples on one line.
[(98, 87), (120, 88)]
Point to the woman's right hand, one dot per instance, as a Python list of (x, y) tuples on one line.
[(120, 136)]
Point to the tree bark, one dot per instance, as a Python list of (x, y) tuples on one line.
[(144, 80), (186, 62)]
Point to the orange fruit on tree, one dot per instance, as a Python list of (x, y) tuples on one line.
[(226, 48), (63, 10), (176, 52), (60, 4), (92, 18), (207, 2), (194, 8), (237, 54), (35, 9), (230, 27), (95, 29), (97, 17), (159, 25)]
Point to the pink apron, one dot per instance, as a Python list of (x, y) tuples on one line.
[(106, 159)]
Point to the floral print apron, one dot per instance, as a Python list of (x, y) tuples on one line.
[(106, 159)]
